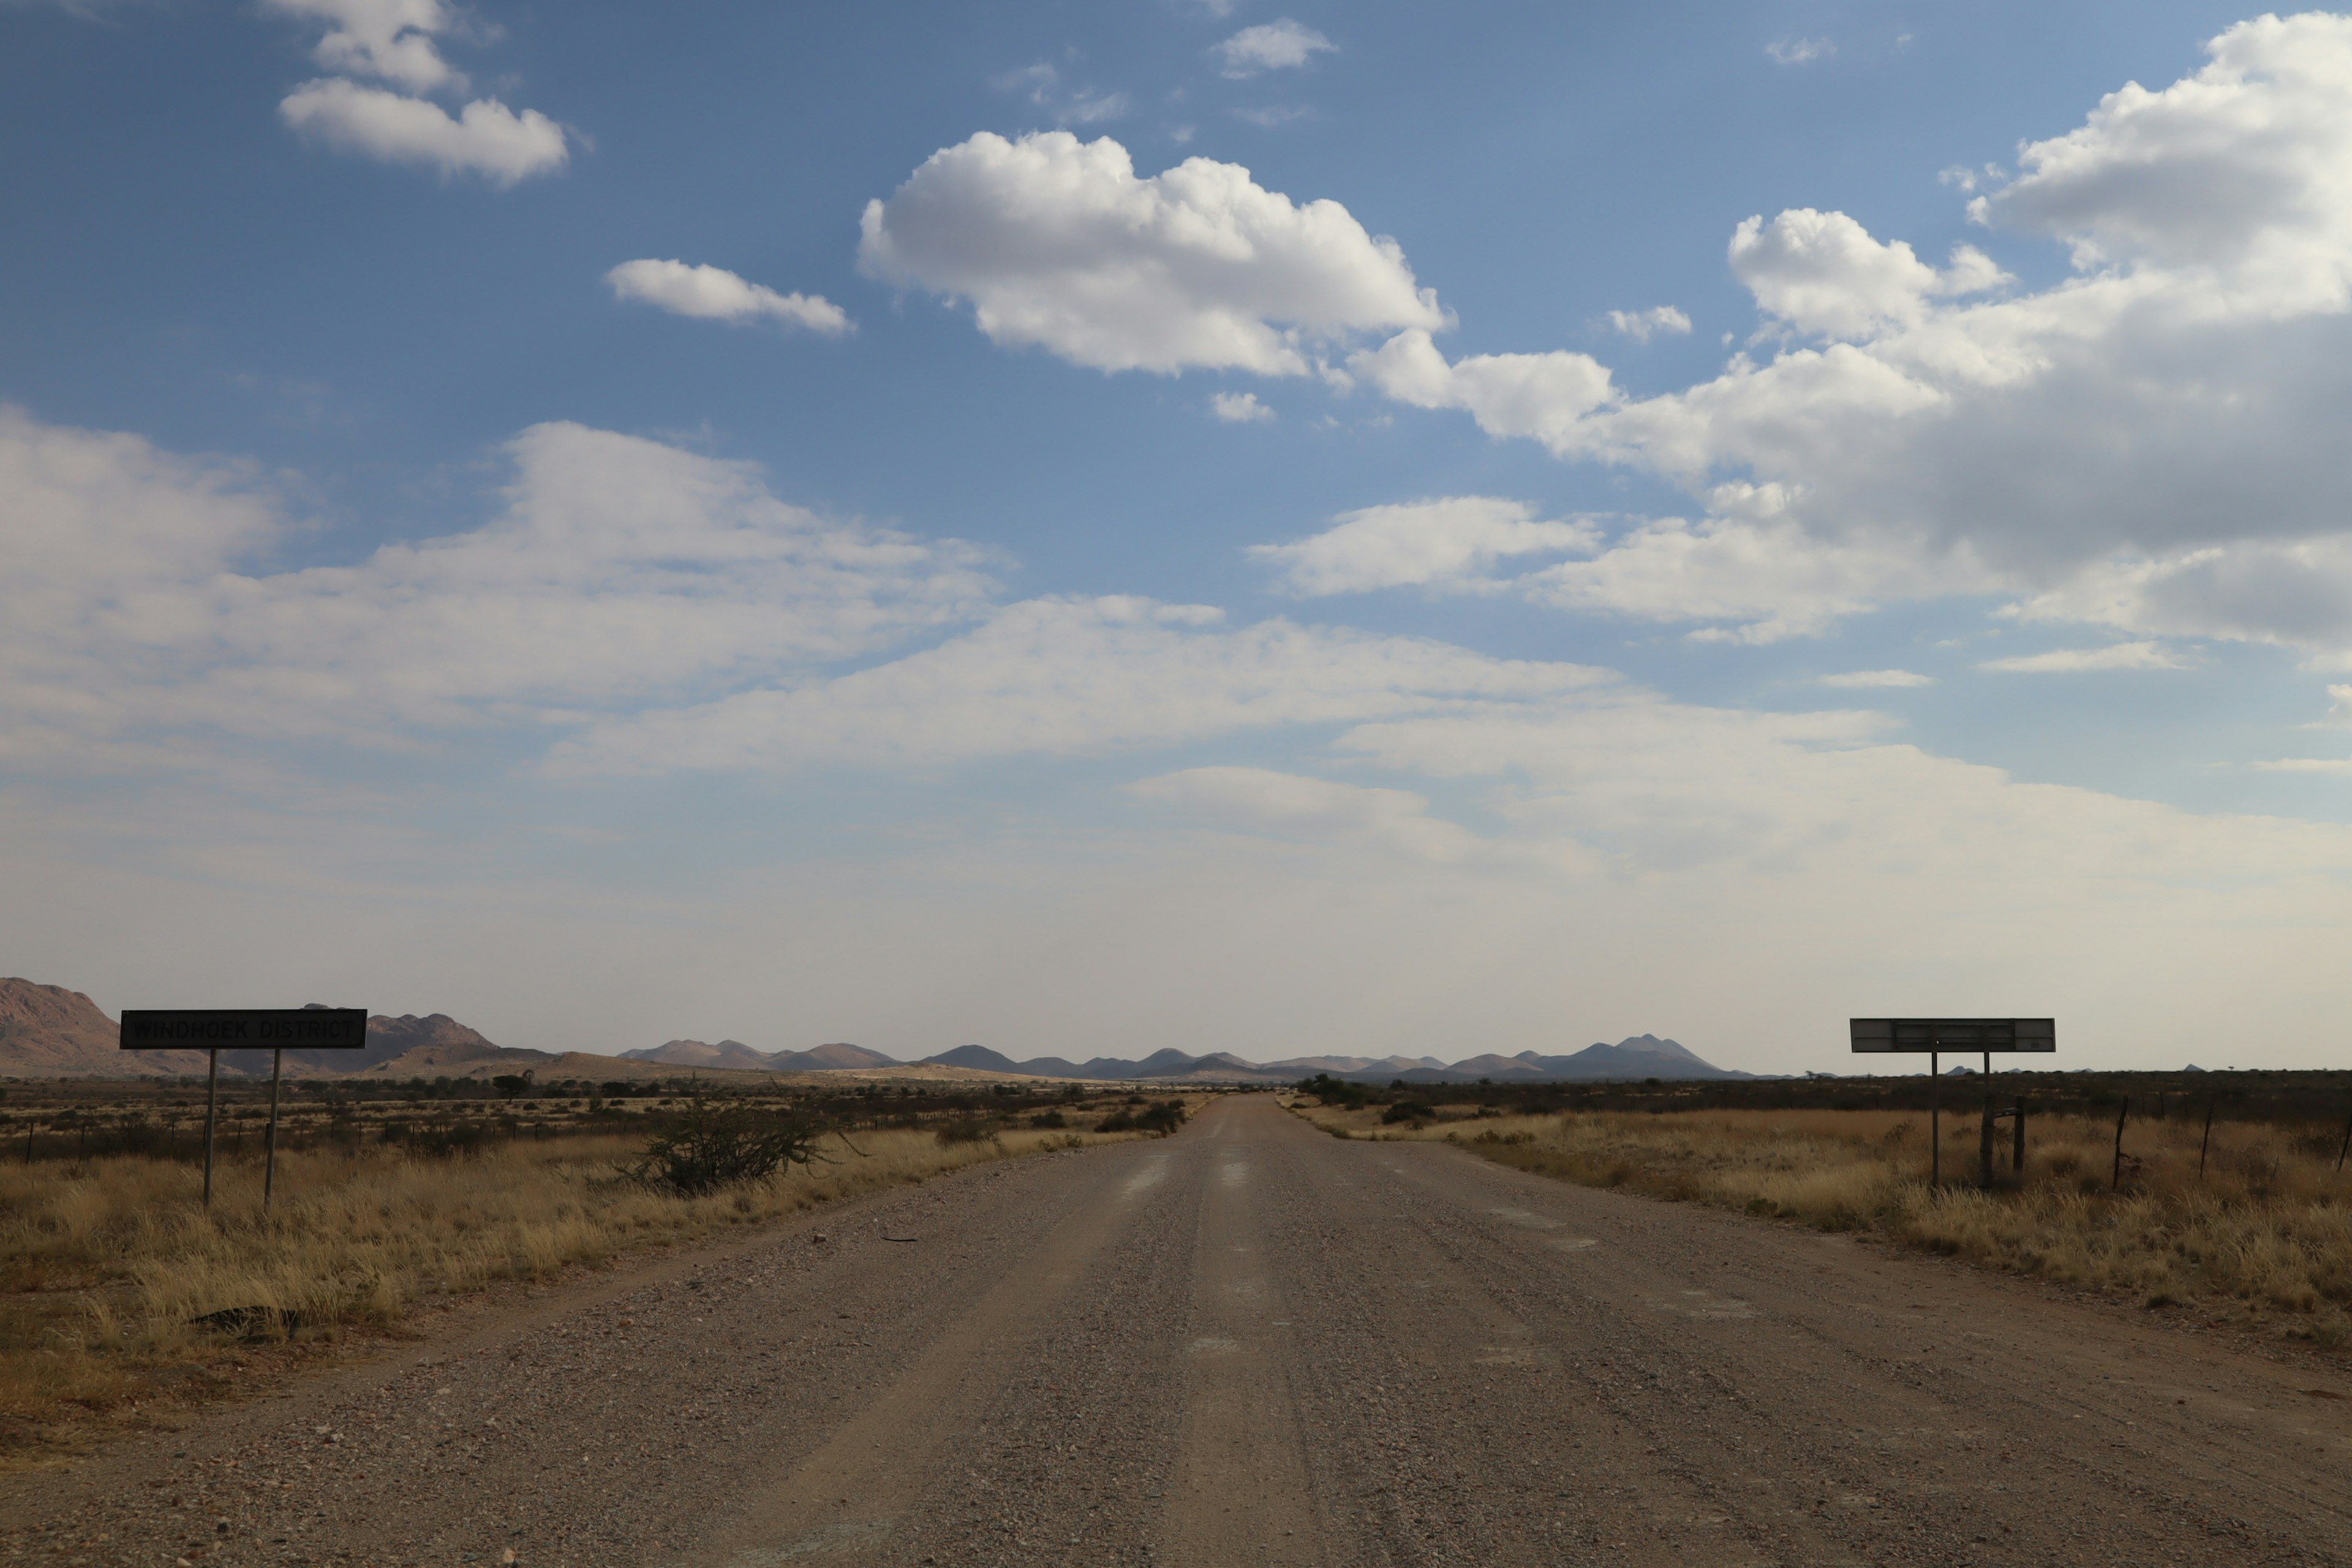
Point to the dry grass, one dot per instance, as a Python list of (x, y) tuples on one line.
[(2264, 1235), (104, 1263)]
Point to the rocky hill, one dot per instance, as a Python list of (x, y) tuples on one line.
[(47, 1031)]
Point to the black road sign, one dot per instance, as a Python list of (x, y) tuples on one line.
[(244, 1029), (1957, 1036)]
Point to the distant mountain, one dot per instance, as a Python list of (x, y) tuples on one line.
[(47, 1031), (1640, 1056), (460, 1060), (826, 1058), (387, 1037), (978, 1057), (1219, 1067), (697, 1054)]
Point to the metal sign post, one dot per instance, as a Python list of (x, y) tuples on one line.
[(216, 1029), (1936, 1035)]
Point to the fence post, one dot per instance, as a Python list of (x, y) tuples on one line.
[(2114, 1184), (1984, 1142), (2017, 1155), (2347, 1146), (2207, 1142)]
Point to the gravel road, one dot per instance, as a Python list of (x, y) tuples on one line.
[(1256, 1344)]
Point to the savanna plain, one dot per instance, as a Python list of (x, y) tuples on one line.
[(1036, 1323)]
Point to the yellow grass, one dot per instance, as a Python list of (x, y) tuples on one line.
[(2265, 1235), (104, 1263)]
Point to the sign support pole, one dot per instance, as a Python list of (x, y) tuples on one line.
[(1935, 1119), (212, 1105), (270, 1160)]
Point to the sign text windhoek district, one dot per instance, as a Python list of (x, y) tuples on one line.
[(244, 1029)]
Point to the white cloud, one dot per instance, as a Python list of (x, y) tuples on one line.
[(1057, 243), (2150, 445), (1822, 272), (1542, 395), (2340, 767), (1239, 407), (1449, 543), (484, 138), (2339, 708), (2072, 661), (1865, 679), (389, 40), (1070, 677), (619, 571), (1658, 320), (713, 293), (1283, 44), (1799, 51)]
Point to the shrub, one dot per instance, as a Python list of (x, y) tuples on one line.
[(1412, 1110), (1049, 1119), (963, 1129), (706, 1149)]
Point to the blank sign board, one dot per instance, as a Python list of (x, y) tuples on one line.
[(1957, 1035), (244, 1029)]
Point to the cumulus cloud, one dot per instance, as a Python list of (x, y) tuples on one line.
[(1283, 44), (1867, 680), (484, 138), (1823, 272), (2149, 444), (388, 39), (1451, 542), (715, 294), (1659, 320), (1799, 51), (1239, 407), (1057, 243), (2072, 661), (394, 41)]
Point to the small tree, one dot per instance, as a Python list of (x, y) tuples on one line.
[(707, 1147)]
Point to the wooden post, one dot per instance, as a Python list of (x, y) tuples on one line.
[(2347, 1146), (270, 1161), (1984, 1142), (212, 1106), (2017, 1154), (2114, 1184), (2208, 1141), (1935, 1121)]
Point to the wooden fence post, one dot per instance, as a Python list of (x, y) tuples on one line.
[(2208, 1141), (2116, 1183)]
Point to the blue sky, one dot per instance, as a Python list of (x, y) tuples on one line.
[(491, 528)]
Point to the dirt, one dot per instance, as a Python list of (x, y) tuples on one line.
[(1253, 1344)]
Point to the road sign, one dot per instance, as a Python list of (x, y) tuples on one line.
[(1954, 1035), (216, 1029), (244, 1029)]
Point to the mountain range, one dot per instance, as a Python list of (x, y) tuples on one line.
[(47, 1031)]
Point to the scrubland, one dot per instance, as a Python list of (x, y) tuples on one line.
[(104, 1262), (2262, 1237)]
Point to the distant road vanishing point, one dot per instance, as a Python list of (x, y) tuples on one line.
[(1255, 1344)]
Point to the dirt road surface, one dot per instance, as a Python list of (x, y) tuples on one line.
[(1255, 1344)]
